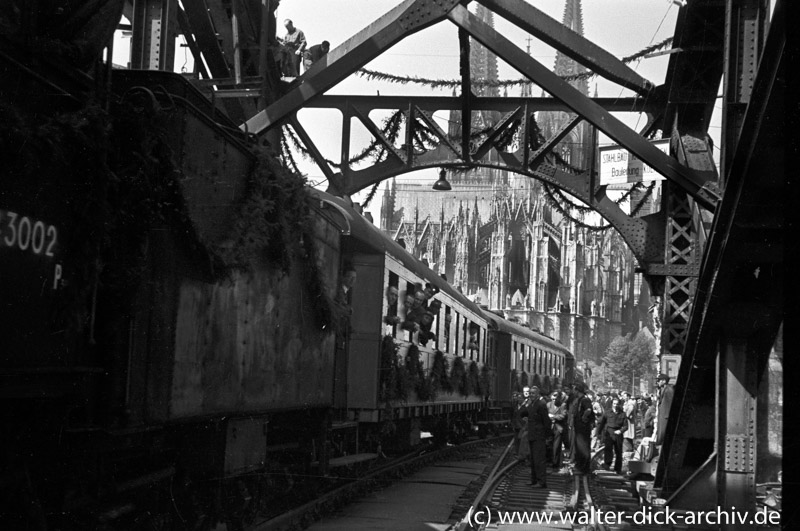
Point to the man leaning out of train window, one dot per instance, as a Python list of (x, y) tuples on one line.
[(473, 336), (391, 317), (411, 321), (426, 322), (417, 309)]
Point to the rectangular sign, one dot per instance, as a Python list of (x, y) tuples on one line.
[(620, 166)]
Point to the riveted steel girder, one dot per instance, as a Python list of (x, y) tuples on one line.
[(206, 37), (644, 235), (743, 18), (694, 72), (563, 39), (740, 292), (684, 177), (406, 19), (453, 103)]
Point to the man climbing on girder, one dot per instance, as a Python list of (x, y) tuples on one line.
[(294, 44), (314, 54)]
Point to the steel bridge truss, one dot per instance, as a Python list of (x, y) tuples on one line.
[(645, 235)]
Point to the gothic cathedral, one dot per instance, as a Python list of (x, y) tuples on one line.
[(503, 241)]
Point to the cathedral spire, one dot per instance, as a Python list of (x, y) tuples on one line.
[(566, 66), (526, 91)]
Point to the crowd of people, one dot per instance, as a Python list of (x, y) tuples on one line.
[(566, 426), (294, 50)]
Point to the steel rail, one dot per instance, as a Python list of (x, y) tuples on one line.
[(491, 482), (332, 498)]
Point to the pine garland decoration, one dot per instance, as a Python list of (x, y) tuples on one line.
[(474, 379), (486, 381), (425, 390), (453, 83), (414, 366), (404, 384), (439, 372), (458, 376), (388, 369)]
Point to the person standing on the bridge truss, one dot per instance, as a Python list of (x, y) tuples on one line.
[(294, 43)]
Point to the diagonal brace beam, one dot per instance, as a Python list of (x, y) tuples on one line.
[(430, 122), (545, 148), (552, 32), (610, 125), (498, 130), (183, 22), (206, 37), (311, 147), (373, 129)]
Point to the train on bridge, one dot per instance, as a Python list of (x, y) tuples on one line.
[(177, 346)]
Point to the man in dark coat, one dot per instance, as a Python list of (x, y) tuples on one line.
[(583, 424), (570, 404), (539, 429), (649, 417), (612, 426), (520, 406), (665, 394), (557, 411)]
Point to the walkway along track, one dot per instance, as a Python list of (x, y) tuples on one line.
[(325, 505), (507, 490)]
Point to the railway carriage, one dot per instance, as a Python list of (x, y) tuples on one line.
[(490, 356), (364, 389), (527, 357)]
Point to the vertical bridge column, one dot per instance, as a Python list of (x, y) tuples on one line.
[(736, 426)]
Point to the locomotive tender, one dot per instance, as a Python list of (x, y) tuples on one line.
[(190, 396)]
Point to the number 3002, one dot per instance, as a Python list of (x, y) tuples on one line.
[(27, 234)]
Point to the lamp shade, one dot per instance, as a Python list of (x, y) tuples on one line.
[(442, 184)]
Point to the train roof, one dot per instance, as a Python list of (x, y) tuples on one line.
[(504, 325), (366, 233)]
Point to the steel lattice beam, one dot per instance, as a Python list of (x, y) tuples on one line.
[(486, 103)]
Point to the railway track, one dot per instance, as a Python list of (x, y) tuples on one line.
[(507, 501), (325, 505)]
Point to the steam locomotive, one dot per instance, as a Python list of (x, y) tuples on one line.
[(174, 352)]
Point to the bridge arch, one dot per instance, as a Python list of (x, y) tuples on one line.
[(644, 235)]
